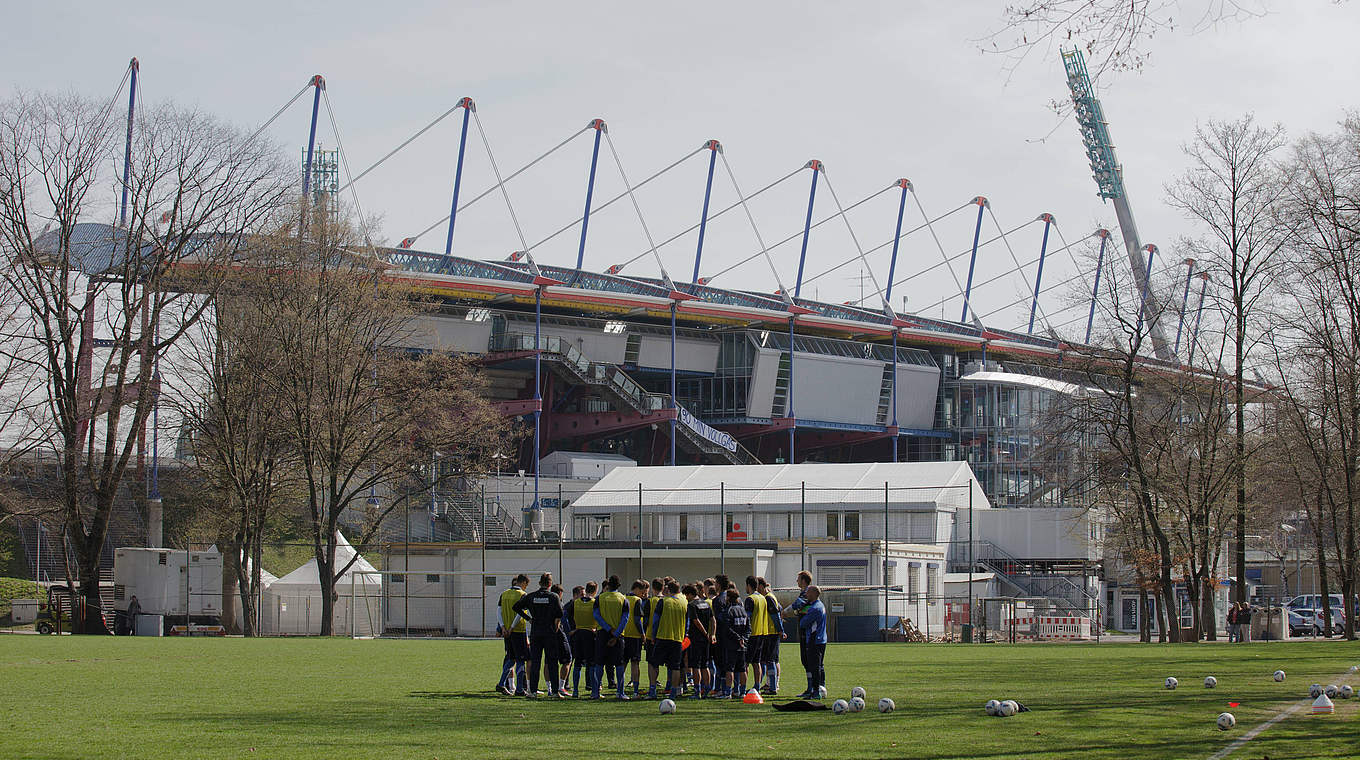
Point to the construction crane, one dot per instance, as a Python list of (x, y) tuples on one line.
[(1109, 177)]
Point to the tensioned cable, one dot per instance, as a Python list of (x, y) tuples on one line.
[(500, 183), (1018, 269), (277, 114), (854, 238), (607, 203), (628, 187), (763, 248), (715, 215), (943, 256), (799, 234), (344, 161), (889, 242), (959, 255), (847, 210), (1007, 273), (395, 150)]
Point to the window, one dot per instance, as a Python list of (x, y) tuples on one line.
[(932, 583), (684, 527), (832, 525), (843, 572), (850, 526), (431, 578), (891, 577), (398, 578), (913, 582)]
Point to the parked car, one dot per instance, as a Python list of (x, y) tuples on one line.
[(1314, 602), (1309, 622)]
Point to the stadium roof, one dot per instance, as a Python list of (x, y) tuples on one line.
[(926, 484)]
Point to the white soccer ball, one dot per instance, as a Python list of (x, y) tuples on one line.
[(859, 691), (1315, 690), (886, 705), (821, 692), (1210, 682), (1332, 691), (1347, 692), (992, 707), (856, 704), (1009, 707), (1171, 683), (840, 707), (1226, 721), (667, 707), (1279, 675)]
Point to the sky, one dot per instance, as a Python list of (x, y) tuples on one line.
[(876, 90)]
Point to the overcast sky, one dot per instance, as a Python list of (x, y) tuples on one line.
[(875, 90)]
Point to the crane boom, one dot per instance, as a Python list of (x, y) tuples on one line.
[(1109, 177)]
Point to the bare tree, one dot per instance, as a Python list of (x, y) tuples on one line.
[(357, 407), (1233, 191), (1116, 35), (103, 303), (1317, 347)]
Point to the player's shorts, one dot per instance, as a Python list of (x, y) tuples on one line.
[(668, 654), (717, 651), (632, 649), (772, 648), (517, 646), (699, 652), (755, 649), (564, 653), (608, 650), (583, 646), (734, 659), (653, 655)]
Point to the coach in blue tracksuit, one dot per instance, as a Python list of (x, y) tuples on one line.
[(812, 625)]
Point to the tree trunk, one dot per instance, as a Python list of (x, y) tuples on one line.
[(231, 574), (1208, 618), (1144, 623)]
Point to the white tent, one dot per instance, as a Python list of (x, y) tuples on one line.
[(266, 580), (292, 604)]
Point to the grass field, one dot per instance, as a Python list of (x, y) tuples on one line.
[(289, 698)]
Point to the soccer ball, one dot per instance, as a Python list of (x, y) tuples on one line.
[(1279, 675), (1347, 692), (1210, 682), (886, 705), (1008, 708), (821, 692), (840, 707), (1171, 683), (1331, 691), (859, 691), (667, 707), (992, 707), (1315, 690), (856, 704), (1226, 721)]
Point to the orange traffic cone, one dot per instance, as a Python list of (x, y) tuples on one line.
[(753, 698)]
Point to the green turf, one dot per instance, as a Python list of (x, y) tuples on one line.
[(287, 698)]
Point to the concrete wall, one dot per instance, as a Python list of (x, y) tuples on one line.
[(918, 390), (596, 344), (760, 392), (691, 354), (450, 333), (1037, 533), (836, 388)]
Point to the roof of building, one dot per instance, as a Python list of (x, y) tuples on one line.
[(1029, 381), (938, 484)]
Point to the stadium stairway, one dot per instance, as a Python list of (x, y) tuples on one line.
[(571, 365)]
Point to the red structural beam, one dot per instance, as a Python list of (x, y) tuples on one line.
[(591, 424)]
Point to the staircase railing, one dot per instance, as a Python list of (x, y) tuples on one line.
[(995, 558), (640, 400)]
